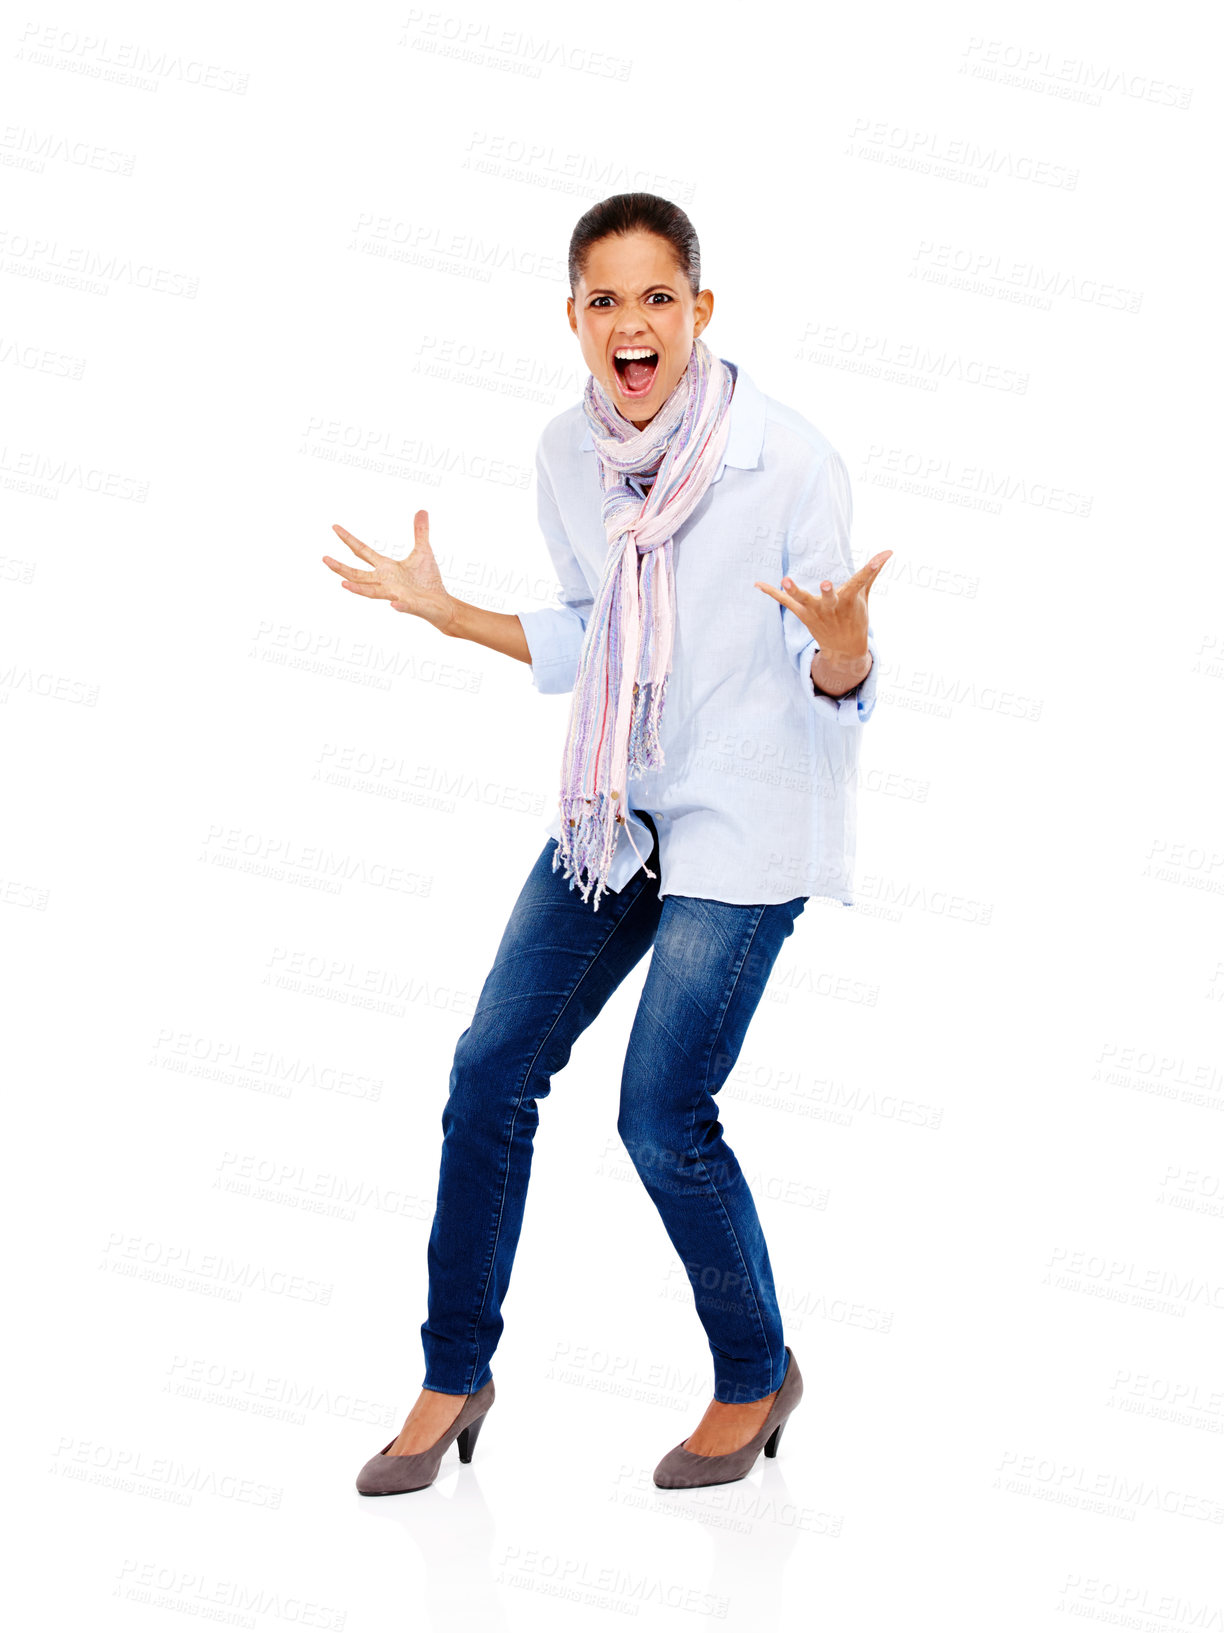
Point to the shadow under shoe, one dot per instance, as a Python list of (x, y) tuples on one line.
[(682, 1468), (383, 1476)]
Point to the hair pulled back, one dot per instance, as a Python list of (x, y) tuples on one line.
[(625, 213)]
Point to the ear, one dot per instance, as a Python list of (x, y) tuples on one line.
[(570, 313)]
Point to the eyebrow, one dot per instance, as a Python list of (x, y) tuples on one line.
[(648, 290)]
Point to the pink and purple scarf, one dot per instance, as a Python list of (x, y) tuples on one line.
[(626, 655)]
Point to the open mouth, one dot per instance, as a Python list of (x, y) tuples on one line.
[(636, 374)]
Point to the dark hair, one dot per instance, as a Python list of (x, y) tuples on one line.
[(624, 213)]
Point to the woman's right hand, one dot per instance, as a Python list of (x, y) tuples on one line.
[(411, 585)]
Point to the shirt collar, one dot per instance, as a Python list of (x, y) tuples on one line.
[(746, 436)]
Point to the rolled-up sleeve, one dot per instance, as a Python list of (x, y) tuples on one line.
[(555, 634), (817, 546)]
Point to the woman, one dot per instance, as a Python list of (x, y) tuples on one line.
[(715, 721)]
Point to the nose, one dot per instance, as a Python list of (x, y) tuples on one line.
[(631, 330), (631, 323)]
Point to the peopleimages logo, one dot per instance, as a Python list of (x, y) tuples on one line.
[(955, 158), (1028, 283), (1072, 78), (507, 50)]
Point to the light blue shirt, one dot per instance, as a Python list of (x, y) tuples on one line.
[(755, 801)]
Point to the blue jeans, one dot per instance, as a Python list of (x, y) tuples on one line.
[(558, 963)]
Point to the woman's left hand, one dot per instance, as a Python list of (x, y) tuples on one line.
[(837, 617)]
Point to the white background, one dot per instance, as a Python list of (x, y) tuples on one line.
[(263, 273)]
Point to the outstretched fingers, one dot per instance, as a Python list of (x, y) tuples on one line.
[(357, 574), (356, 546), (800, 600), (826, 594), (783, 597), (868, 572), (357, 579)]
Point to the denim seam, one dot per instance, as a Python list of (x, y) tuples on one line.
[(705, 1083), (518, 1106)]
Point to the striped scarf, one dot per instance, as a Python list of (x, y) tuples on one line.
[(626, 656)]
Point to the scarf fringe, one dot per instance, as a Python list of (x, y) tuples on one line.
[(586, 845), (591, 844)]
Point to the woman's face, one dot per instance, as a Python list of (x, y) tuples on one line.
[(633, 297)]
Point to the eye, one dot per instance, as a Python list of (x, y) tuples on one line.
[(599, 298), (661, 292)]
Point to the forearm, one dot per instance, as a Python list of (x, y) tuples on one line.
[(499, 630), (836, 674)]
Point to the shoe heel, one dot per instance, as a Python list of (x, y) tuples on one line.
[(466, 1439), (771, 1445)]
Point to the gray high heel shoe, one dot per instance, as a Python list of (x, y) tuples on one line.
[(684, 1468), (412, 1471)]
